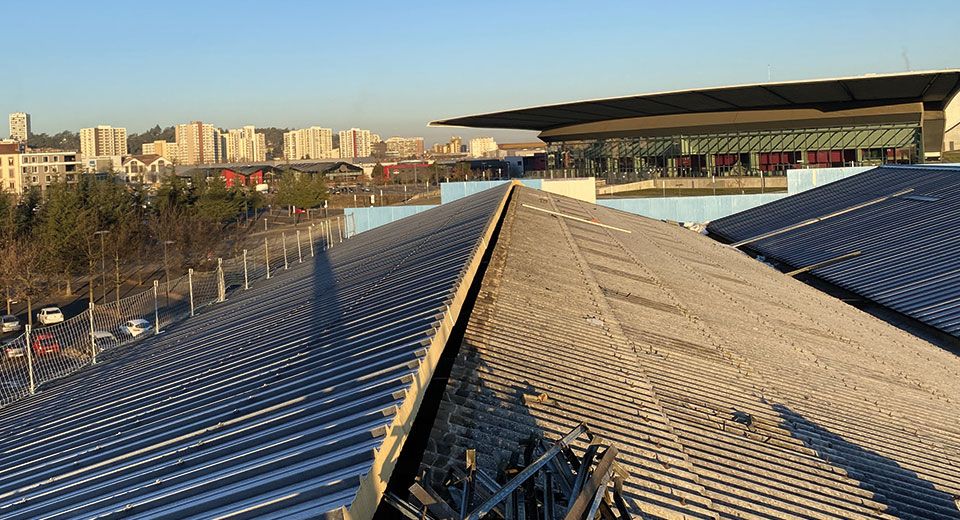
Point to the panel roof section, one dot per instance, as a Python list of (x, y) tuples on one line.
[(729, 389), (909, 243), (933, 88), (293, 398)]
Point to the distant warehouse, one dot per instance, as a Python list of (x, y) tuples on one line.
[(745, 130)]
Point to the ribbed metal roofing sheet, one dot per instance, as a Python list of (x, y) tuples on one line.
[(730, 390), (293, 399), (908, 243)]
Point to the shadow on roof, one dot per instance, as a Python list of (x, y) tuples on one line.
[(901, 490)]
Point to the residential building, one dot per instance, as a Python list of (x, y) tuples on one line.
[(11, 179), (103, 164), (20, 126), (245, 145), (43, 168), (145, 168), (162, 148), (102, 141), (199, 143), (309, 143), (404, 147), (355, 143), (482, 146)]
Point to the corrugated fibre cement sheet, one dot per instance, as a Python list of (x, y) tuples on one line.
[(730, 390), (904, 221), (292, 399)]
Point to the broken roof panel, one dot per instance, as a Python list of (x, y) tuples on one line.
[(293, 398), (902, 221), (729, 389)]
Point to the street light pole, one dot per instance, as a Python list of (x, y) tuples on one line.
[(103, 263)]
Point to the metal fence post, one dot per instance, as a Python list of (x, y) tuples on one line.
[(29, 347), (283, 240), (328, 231), (190, 283), (93, 340), (310, 239), (156, 308), (299, 249), (246, 279), (266, 254), (221, 284), (340, 231)]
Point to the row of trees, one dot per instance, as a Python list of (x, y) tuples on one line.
[(51, 240)]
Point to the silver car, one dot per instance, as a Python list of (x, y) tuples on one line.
[(9, 323)]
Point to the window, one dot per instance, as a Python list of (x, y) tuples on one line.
[(48, 178)]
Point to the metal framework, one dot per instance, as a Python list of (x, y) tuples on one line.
[(539, 482), (740, 153)]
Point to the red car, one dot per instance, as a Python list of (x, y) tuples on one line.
[(45, 344)]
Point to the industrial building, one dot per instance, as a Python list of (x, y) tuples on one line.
[(744, 130), (728, 389)]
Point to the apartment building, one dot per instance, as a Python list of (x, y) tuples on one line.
[(11, 179), (161, 148), (404, 147), (309, 143), (41, 169), (103, 141), (355, 143), (20, 126), (199, 143), (245, 145), (482, 146)]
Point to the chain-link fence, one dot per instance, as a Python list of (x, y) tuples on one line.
[(48, 352)]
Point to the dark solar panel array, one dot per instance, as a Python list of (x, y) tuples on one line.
[(272, 403), (909, 244)]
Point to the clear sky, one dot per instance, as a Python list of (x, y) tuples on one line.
[(393, 66)]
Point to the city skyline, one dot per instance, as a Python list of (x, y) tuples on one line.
[(417, 63)]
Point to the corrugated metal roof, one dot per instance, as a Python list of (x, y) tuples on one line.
[(290, 400), (730, 390), (909, 243)]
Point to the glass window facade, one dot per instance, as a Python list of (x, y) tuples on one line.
[(767, 152)]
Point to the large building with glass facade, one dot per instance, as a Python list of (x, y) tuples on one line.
[(743, 130)]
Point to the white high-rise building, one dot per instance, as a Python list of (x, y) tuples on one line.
[(481, 146), (245, 145), (103, 141), (355, 143), (308, 143), (198, 143), (20, 126)]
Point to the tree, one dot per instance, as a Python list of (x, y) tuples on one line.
[(63, 224), (301, 190), (21, 262)]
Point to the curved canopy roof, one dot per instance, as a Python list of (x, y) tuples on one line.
[(933, 88)]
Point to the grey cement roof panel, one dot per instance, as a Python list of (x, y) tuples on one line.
[(656, 337)]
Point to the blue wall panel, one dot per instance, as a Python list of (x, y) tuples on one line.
[(451, 191), (690, 209), (364, 219)]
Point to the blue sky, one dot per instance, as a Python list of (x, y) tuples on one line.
[(394, 66)]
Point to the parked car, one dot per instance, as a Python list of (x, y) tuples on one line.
[(9, 323), (134, 328), (104, 340), (12, 349), (45, 343), (50, 315)]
